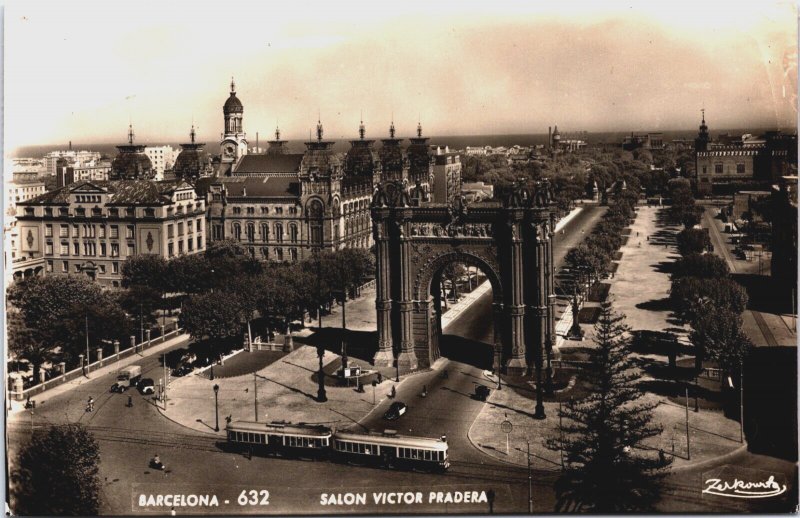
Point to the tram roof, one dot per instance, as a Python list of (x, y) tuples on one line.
[(393, 440), (280, 428)]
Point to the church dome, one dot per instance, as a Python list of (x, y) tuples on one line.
[(233, 104)]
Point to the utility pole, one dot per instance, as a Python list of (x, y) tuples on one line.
[(86, 322), (255, 394), (688, 450), (741, 403), (166, 378), (530, 480), (561, 434)]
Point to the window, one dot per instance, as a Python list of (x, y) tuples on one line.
[(114, 232), (264, 210), (293, 233), (180, 247), (190, 226), (170, 249), (49, 249), (278, 210), (216, 232), (180, 228), (190, 244), (65, 266), (114, 213), (63, 211), (114, 267), (740, 169), (279, 232), (130, 249), (129, 212), (264, 232), (48, 231), (293, 211), (251, 211), (199, 242), (170, 230), (64, 248), (63, 231), (48, 211), (114, 249), (129, 232), (102, 249), (97, 212), (237, 210), (80, 211), (718, 168), (75, 232), (279, 253), (102, 268), (49, 266), (265, 252), (251, 232), (149, 213), (199, 224), (102, 231), (77, 268), (237, 232), (293, 254), (76, 248)]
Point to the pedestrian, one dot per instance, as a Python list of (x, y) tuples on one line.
[(662, 459), (130, 401), (90, 404), (393, 393), (648, 239), (172, 511), (424, 390), (380, 378)]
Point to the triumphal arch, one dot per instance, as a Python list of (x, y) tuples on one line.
[(510, 240)]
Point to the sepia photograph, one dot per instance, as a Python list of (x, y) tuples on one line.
[(418, 258)]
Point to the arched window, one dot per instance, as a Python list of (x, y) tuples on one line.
[(293, 233), (264, 232), (315, 214), (237, 232), (251, 232), (279, 232), (293, 254)]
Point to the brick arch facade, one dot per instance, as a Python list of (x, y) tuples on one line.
[(510, 241)]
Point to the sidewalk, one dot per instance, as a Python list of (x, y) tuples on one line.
[(638, 286), (17, 406)]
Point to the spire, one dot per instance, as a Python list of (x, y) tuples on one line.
[(192, 134), (277, 133), (319, 130), (233, 86), (419, 129), (703, 112), (361, 130), (391, 129), (130, 134)]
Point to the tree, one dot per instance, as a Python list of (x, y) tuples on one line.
[(452, 272), (57, 474), (691, 296), (704, 266), (144, 270), (718, 336), (604, 472), (216, 315), (693, 241), (26, 343), (55, 308)]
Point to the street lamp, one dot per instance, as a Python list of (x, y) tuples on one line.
[(397, 370), (321, 396), (216, 407), (342, 296)]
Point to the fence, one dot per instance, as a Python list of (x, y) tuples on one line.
[(66, 376), (569, 364)]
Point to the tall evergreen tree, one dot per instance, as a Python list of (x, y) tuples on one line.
[(605, 471)]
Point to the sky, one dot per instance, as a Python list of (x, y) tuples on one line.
[(81, 71)]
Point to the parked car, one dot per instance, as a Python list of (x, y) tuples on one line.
[(397, 409), (146, 386), (482, 392), (182, 369), (126, 378)]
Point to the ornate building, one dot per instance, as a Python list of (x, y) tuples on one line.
[(729, 163), (90, 228), (192, 162), (284, 205)]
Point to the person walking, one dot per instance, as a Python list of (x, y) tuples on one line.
[(90, 404), (130, 401), (393, 393)]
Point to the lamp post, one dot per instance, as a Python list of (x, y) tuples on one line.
[(216, 407), (530, 481), (342, 296), (86, 322), (397, 370), (321, 396)]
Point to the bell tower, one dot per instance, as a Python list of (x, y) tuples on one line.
[(234, 143)]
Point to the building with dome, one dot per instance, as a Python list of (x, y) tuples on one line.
[(192, 162), (284, 206), (131, 163)]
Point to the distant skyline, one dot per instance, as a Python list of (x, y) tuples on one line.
[(81, 71)]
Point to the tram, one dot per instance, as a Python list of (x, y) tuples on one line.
[(278, 438), (392, 450)]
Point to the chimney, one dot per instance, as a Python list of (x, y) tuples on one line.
[(70, 145)]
